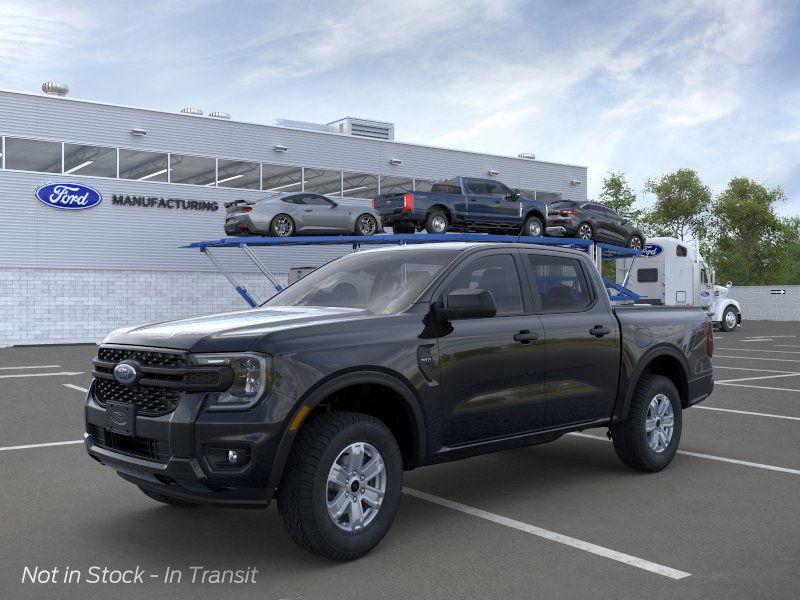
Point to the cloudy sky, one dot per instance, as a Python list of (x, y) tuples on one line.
[(641, 87)]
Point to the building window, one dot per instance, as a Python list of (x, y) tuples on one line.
[(280, 178), (194, 170), (396, 185), (96, 161), (33, 155), (359, 185), (321, 181), (144, 166), (237, 174)]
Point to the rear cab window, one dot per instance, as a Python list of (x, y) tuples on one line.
[(447, 186)]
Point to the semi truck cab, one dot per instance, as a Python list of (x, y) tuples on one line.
[(670, 272)]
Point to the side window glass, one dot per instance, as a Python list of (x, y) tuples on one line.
[(498, 275), (476, 186), (560, 283), (317, 200), (681, 250), (295, 199)]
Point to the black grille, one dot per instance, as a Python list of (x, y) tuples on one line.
[(148, 358), (142, 447), (149, 401)]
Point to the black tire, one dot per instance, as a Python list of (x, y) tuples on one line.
[(360, 230), (277, 220), (582, 228), (302, 494), (630, 437), (533, 227), (403, 229), (724, 323), (432, 222), (166, 499), (636, 242)]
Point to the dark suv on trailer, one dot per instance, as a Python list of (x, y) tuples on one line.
[(383, 361), (593, 221)]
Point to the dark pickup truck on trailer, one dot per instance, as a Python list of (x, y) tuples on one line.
[(464, 204), (383, 361)]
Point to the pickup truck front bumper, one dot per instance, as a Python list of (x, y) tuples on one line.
[(183, 454)]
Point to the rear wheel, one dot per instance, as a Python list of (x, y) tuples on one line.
[(366, 224), (341, 487), (648, 439), (729, 319), (584, 232), (166, 499), (281, 226), (635, 243), (436, 222), (533, 227)]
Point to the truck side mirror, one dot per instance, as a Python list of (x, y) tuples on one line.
[(467, 303), (729, 285)]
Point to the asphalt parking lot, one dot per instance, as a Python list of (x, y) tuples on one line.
[(561, 520)]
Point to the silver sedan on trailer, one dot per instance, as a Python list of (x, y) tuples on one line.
[(300, 213)]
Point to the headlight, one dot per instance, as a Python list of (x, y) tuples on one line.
[(252, 379)]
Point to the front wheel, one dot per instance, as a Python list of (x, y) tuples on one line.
[(648, 439), (729, 319), (584, 232), (635, 243), (533, 227), (366, 224), (341, 487)]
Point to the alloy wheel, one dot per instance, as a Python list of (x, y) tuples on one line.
[(282, 226), (366, 225), (659, 423), (730, 319), (635, 243), (534, 228), (439, 223), (585, 231), (356, 486)]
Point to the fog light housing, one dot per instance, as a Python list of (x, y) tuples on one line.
[(227, 458), (233, 457)]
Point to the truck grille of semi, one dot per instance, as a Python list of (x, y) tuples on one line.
[(149, 400)]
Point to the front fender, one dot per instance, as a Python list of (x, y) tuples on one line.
[(331, 384)]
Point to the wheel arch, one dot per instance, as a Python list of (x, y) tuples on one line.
[(444, 208), (407, 423), (535, 212), (664, 361)]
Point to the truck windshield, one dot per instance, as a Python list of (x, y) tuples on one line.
[(382, 281)]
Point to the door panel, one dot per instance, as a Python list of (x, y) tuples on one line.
[(487, 204), (493, 384), (582, 365)]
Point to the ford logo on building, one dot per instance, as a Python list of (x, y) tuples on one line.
[(652, 250), (119, 417), (125, 373), (68, 196)]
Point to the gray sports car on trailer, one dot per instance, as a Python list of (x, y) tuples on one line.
[(299, 213)]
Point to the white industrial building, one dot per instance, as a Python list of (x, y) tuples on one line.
[(73, 275)]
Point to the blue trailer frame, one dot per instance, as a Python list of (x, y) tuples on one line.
[(599, 251)]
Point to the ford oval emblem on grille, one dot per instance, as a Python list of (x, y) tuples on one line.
[(119, 417), (125, 373)]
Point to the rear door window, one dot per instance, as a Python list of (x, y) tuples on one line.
[(560, 282), (477, 187)]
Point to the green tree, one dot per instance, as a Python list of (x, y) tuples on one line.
[(681, 205), (617, 194), (750, 243)]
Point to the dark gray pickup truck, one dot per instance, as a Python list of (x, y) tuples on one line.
[(383, 361)]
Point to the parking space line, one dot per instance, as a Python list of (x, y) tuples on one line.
[(751, 369), (40, 445), (15, 375), (747, 412), (734, 461), (757, 358), (759, 350), (759, 377), (76, 387), (758, 387), (31, 367), (627, 559)]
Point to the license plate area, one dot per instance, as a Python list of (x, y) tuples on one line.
[(121, 418)]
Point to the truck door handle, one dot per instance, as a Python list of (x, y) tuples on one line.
[(526, 337), (599, 331)]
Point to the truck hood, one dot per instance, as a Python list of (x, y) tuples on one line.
[(232, 331)]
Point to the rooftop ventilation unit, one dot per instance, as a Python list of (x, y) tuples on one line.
[(303, 125), (192, 111), (376, 130), (219, 115), (527, 155), (51, 88)]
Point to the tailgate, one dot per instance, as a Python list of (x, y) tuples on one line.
[(391, 203)]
